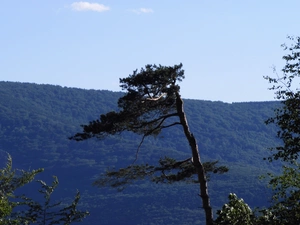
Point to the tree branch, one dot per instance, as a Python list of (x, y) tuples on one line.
[(157, 98), (149, 133), (155, 120)]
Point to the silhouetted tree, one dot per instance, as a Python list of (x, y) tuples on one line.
[(152, 103)]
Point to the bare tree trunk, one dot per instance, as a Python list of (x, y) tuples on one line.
[(196, 161)]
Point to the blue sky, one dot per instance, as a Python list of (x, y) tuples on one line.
[(226, 47)]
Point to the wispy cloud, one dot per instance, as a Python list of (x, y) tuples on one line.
[(142, 10), (87, 6)]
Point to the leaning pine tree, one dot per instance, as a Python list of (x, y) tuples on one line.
[(152, 103)]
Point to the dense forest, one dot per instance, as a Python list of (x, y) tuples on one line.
[(36, 121)]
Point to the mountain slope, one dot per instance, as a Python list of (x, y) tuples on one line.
[(36, 121)]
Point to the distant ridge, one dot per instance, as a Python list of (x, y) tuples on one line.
[(37, 119)]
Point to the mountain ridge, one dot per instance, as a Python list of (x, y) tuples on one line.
[(37, 119)]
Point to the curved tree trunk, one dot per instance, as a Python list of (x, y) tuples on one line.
[(196, 161)]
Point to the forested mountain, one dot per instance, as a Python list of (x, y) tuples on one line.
[(36, 121)]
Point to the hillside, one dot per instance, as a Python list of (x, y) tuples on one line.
[(36, 121)]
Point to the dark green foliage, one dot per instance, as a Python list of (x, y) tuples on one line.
[(149, 101), (286, 186), (5, 208), (10, 181), (50, 213), (285, 205), (16, 209), (288, 120), (36, 120), (168, 171), (287, 117)]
